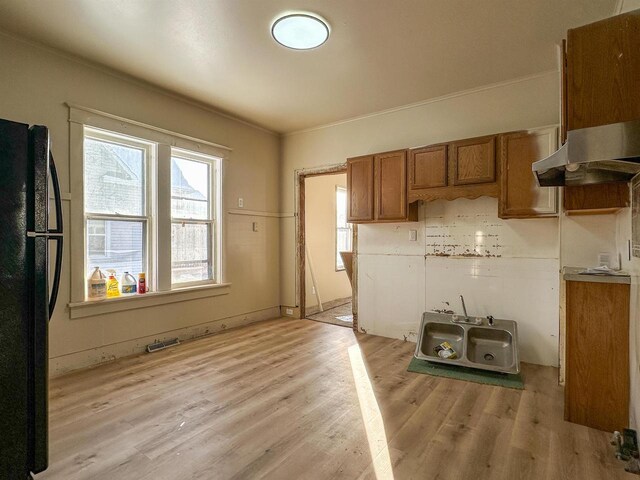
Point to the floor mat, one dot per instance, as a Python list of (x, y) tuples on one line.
[(467, 374)]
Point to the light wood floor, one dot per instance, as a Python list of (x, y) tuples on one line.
[(297, 399)]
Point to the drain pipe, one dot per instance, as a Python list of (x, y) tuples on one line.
[(313, 278)]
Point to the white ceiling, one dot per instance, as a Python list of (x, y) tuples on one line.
[(381, 53)]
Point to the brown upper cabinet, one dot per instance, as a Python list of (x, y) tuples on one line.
[(603, 72), (520, 195), (428, 167), (596, 199), (465, 168), (473, 161), (377, 189), (360, 188), (601, 81)]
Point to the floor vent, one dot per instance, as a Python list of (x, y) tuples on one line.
[(154, 347)]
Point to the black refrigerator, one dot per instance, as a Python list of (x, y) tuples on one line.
[(26, 301)]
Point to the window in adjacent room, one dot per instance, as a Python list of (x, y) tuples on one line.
[(343, 229)]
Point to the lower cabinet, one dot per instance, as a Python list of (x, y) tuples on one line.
[(520, 195), (597, 354)]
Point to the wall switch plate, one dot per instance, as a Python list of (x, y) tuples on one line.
[(240, 202), (255, 226), (288, 311), (313, 290), (413, 235)]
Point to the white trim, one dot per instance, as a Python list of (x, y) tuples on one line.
[(77, 226), (163, 222), (257, 213), (91, 308), (113, 123), (442, 98)]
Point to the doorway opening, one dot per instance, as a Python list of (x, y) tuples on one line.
[(325, 248)]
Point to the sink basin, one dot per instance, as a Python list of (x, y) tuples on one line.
[(476, 343), (490, 346), (435, 333)]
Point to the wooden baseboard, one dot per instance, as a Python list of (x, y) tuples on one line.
[(327, 305), (108, 353)]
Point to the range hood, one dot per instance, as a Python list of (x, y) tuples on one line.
[(607, 153)]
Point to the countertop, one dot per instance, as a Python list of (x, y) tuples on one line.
[(573, 274)]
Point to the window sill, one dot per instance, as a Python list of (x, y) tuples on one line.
[(90, 308)]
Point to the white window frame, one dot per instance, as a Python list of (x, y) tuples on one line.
[(215, 195), (158, 200), (147, 216), (349, 227)]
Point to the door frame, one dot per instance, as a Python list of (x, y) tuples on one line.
[(300, 177)]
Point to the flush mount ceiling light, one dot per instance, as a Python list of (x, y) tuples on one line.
[(300, 31)]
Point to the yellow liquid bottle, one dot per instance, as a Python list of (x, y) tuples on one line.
[(113, 289)]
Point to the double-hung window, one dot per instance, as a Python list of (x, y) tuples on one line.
[(151, 205), (116, 202), (194, 185), (343, 229)]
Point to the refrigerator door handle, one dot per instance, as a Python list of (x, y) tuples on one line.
[(57, 273), (56, 195), (57, 235)]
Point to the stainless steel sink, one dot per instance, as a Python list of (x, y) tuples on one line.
[(477, 342), (435, 333)]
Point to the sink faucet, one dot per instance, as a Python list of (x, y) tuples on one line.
[(464, 309)]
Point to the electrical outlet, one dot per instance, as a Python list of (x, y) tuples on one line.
[(288, 311), (240, 202), (313, 290), (413, 235)]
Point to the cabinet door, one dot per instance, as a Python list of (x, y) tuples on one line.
[(474, 161), (391, 185), (428, 167), (603, 72), (360, 189), (600, 198), (520, 195), (597, 365)]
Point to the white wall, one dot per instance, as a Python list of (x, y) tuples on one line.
[(35, 85), (320, 232), (515, 277)]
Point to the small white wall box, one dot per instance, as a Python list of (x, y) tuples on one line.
[(605, 259)]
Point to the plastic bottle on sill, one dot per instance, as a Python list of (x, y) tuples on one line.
[(128, 284), (97, 285), (142, 283), (113, 288)]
